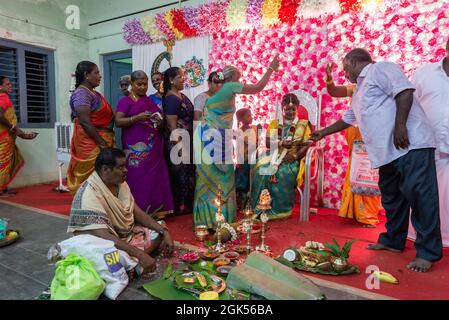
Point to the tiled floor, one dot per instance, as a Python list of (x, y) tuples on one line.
[(25, 271)]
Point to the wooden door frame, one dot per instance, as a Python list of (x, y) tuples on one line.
[(107, 70)]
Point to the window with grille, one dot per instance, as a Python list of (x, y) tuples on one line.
[(8, 68), (31, 72)]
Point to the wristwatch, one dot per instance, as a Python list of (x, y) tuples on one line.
[(164, 229)]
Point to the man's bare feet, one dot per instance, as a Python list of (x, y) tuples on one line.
[(419, 265), (378, 246)]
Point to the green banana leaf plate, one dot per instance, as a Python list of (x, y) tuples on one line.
[(298, 265)]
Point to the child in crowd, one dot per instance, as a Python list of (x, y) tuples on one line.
[(243, 170)]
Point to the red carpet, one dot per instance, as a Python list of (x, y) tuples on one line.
[(281, 234)]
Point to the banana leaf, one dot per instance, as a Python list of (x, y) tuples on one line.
[(165, 290), (272, 280), (298, 265), (208, 266)]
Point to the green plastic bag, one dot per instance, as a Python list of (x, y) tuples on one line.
[(76, 279)]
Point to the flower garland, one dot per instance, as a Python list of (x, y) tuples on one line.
[(149, 26), (236, 14), (231, 230), (350, 5), (134, 33), (270, 12), (277, 159), (254, 13), (162, 25), (180, 23), (169, 18), (228, 15), (287, 11)]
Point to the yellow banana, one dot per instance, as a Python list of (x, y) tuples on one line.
[(385, 277)]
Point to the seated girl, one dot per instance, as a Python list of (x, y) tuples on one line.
[(282, 170)]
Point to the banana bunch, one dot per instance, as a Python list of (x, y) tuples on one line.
[(385, 277)]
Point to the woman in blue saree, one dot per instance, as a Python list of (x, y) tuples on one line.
[(215, 168), (157, 79), (178, 110)]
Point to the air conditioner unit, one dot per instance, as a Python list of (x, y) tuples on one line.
[(63, 132)]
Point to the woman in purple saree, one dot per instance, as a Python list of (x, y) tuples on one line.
[(143, 144)]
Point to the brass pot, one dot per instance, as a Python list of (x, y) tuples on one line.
[(339, 264), (201, 233)]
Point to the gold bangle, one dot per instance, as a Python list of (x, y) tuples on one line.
[(132, 119), (328, 82)]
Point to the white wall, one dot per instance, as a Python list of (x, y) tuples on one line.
[(45, 28), (107, 37)]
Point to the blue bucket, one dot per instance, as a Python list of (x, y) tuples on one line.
[(3, 228)]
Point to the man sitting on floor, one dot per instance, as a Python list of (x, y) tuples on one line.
[(104, 207)]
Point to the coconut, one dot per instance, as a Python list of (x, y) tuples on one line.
[(291, 254)]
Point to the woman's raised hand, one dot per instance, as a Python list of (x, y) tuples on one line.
[(329, 68), (275, 63)]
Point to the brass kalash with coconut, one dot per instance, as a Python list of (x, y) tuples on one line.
[(226, 232), (328, 258), (247, 226)]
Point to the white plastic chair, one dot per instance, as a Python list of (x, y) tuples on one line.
[(314, 154)]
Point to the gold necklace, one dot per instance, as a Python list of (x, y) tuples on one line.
[(135, 97)]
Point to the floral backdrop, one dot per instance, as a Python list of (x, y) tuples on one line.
[(411, 33)]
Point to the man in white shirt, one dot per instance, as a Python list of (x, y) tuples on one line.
[(400, 143), (432, 92)]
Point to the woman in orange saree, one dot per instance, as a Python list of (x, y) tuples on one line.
[(93, 125), (364, 209), (11, 160)]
